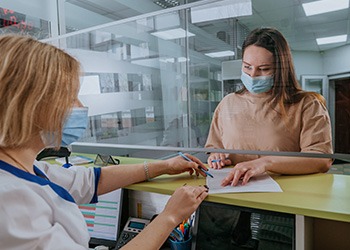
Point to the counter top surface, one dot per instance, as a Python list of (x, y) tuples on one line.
[(324, 196)]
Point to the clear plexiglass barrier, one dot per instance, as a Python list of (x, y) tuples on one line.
[(154, 81)]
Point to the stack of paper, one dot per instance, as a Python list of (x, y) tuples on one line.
[(75, 160), (259, 183)]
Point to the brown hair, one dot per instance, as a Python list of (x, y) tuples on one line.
[(38, 86), (286, 89)]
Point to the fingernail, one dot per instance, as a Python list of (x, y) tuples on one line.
[(206, 187), (185, 184)]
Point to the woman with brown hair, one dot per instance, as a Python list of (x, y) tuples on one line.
[(271, 113)]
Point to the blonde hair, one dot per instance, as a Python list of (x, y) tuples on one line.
[(38, 85)]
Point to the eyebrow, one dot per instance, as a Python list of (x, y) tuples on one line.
[(262, 65)]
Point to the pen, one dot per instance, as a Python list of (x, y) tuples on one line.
[(206, 172), (200, 168), (182, 228), (185, 233), (185, 157), (218, 160)]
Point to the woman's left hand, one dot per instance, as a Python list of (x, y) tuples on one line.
[(178, 164), (243, 171)]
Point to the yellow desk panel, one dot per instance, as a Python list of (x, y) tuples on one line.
[(324, 196)]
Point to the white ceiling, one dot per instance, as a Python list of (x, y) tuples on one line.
[(286, 15)]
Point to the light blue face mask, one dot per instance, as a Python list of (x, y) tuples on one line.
[(257, 85), (73, 128), (75, 125)]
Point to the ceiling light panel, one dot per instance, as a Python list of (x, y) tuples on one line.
[(221, 54), (331, 39), (324, 6), (172, 34)]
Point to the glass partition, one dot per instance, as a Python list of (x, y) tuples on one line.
[(154, 80), (135, 81), (147, 81)]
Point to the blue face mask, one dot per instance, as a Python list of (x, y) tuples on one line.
[(75, 126), (256, 85)]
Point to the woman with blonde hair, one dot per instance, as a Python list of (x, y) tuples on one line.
[(39, 86)]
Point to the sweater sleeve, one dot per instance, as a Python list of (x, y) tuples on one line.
[(316, 134)]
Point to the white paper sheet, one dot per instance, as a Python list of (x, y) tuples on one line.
[(260, 183), (75, 160)]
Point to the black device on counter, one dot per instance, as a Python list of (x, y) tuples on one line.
[(132, 227)]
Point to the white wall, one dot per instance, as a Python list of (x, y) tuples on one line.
[(337, 61), (308, 63), (330, 62)]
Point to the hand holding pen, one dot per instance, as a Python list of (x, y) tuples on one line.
[(218, 160), (201, 168), (180, 164)]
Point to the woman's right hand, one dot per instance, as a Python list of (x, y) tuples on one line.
[(184, 201), (218, 160)]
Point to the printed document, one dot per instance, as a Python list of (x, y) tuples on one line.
[(259, 183)]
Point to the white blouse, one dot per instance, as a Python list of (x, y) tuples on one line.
[(42, 213)]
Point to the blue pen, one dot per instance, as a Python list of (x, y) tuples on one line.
[(218, 160), (185, 233), (206, 172), (200, 168)]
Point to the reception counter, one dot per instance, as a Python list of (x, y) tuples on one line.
[(320, 202), (323, 196)]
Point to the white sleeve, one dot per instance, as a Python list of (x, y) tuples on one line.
[(79, 181), (27, 221)]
